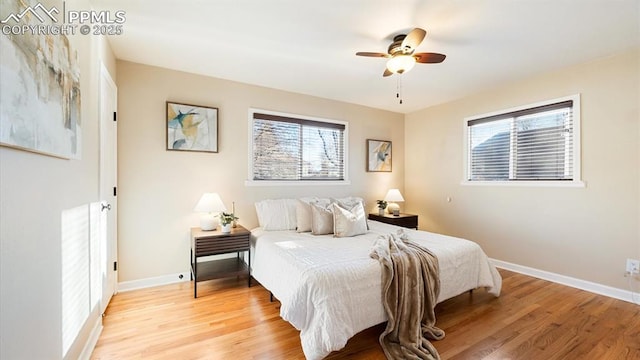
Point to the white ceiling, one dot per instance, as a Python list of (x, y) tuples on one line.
[(309, 47)]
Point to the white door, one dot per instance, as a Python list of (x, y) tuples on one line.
[(108, 186)]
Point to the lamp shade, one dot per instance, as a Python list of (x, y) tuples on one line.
[(401, 63), (209, 204), (394, 195)]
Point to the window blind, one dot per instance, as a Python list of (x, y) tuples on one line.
[(75, 274), (530, 144), (289, 148), (81, 278)]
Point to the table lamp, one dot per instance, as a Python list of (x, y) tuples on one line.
[(393, 196), (209, 205)]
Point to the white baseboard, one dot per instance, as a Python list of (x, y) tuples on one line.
[(620, 294), (92, 341), (154, 281), (167, 279)]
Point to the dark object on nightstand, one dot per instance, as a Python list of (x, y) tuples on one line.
[(404, 220), (206, 243)]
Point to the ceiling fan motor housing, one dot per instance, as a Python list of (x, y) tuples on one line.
[(396, 46)]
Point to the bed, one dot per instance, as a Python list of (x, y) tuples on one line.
[(330, 288)]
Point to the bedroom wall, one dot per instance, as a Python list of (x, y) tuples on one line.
[(158, 188), (35, 190), (585, 233)]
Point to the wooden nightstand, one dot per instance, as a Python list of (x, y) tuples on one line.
[(206, 243), (404, 220)]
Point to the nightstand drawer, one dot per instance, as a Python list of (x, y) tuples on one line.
[(219, 245)]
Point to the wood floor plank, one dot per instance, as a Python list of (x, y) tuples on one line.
[(532, 319)]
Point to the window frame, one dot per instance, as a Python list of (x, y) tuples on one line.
[(328, 182), (577, 159)]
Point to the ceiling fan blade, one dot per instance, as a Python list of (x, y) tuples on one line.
[(387, 73), (429, 58), (413, 38), (372, 54)]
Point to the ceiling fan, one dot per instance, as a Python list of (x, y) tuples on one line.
[(401, 53)]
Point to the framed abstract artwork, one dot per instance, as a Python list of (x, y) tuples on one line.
[(40, 104), (378, 155), (192, 127)]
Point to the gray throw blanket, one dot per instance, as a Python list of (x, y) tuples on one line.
[(410, 289)]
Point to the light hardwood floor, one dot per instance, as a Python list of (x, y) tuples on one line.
[(532, 319)]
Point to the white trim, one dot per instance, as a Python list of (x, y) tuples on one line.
[(577, 145), (577, 137), (574, 183), (154, 281), (110, 247), (345, 150), (620, 294), (87, 350), (296, 183)]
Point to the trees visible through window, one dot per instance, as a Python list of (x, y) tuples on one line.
[(536, 143), (289, 147)]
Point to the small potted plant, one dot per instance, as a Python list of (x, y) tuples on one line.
[(227, 219), (381, 206)]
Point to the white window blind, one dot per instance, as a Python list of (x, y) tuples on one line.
[(81, 281), (75, 273), (530, 144), (291, 148)]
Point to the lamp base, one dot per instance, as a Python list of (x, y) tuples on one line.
[(208, 222), (393, 208)]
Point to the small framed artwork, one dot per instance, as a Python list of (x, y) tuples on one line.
[(378, 155), (192, 127)]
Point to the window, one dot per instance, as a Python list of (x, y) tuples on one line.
[(287, 147), (536, 143), (81, 277)]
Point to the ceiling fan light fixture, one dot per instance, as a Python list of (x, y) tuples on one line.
[(401, 63)]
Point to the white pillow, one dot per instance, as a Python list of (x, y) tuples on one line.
[(303, 212), (277, 214), (348, 222), (303, 216), (350, 202), (321, 220)]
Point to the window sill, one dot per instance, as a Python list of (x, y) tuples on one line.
[(296, 183), (574, 184)]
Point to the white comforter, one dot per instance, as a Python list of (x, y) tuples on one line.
[(330, 288)]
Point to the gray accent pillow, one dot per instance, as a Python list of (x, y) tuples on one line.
[(321, 220), (303, 216)]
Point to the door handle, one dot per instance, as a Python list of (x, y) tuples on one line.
[(108, 207)]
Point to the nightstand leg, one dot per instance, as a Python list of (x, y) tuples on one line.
[(195, 278), (191, 265), (249, 266)]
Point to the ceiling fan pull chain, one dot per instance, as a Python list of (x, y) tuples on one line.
[(399, 88)]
